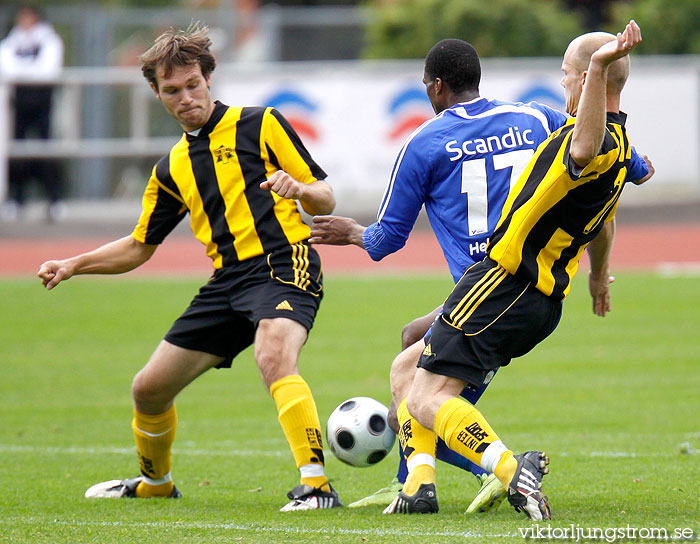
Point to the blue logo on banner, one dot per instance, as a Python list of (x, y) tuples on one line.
[(408, 109), (298, 110)]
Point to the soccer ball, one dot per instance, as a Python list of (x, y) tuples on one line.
[(358, 433)]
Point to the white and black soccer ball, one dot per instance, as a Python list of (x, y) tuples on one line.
[(358, 432)]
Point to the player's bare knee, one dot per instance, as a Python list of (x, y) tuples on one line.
[(277, 346), (403, 369), (414, 407), (399, 389), (148, 395), (139, 388), (274, 366), (392, 418), (266, 366), (269, 357)]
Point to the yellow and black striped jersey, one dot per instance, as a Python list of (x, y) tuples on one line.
[(215, 175), (552, 213)]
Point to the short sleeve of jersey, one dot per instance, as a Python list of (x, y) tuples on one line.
[(285, 149), (638, 167), (637, 170), (606, 158), (163, 207)]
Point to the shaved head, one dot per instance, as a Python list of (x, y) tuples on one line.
[(581, 49)]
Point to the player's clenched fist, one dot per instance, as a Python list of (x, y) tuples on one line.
[(284, 185), (52, 273)]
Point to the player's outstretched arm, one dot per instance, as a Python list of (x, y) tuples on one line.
[(336, 231), (589, 129), (599, 278), (316, 198), (114, 258)]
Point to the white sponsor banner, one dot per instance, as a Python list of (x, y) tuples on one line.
[(354, 117)]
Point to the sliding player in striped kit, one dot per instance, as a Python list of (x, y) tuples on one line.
[(460, 165), (563, 204)]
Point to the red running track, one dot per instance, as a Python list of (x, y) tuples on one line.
[(637, 247)]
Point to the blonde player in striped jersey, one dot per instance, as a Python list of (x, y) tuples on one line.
[(564, 202)]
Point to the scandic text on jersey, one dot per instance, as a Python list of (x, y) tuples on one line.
[(510, 140)]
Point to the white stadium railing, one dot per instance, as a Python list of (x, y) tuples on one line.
[(349, 109), (67, 142)]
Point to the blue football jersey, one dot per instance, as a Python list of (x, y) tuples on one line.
[(638, 167), (460, 164)]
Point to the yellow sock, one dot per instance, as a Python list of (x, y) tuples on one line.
[(418, 444), (319, 482), (464, 430), (154, 439), (506, 467), (422, 474), (299, 420)]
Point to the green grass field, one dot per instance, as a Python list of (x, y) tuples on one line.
[(611, 400)]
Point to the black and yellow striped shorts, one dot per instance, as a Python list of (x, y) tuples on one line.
[(222, 317), (489, 318)]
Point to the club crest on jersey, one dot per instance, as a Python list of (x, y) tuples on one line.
[(223, 154)]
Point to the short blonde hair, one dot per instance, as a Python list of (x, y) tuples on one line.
[(178, 48)]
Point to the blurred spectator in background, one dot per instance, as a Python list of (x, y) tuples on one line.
[(245, 40), (32, 55), (250, 43)]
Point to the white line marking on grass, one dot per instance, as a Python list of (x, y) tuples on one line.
[(9, 448), (611, 454), (675, 270), (73, 450), (616, 454), (253, 528)]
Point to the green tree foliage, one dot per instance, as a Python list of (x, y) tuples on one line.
[(668, 27), (497, 28)]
